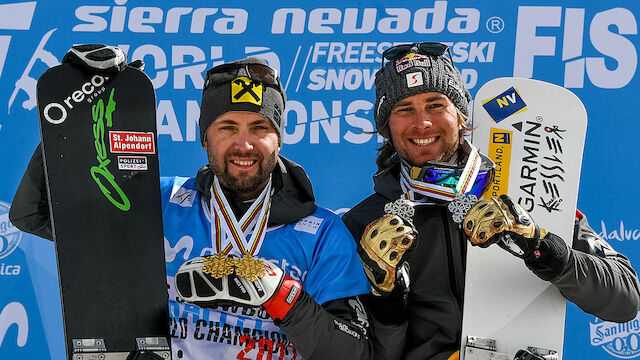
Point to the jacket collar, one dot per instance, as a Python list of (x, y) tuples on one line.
[(292, 200)]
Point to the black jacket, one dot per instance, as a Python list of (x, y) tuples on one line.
[(336, 330), (597, 279)]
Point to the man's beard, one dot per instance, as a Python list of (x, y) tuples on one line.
[(245, 183)]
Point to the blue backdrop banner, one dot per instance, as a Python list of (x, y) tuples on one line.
[(327, 54)]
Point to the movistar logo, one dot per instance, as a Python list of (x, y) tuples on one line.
[(100, 173)]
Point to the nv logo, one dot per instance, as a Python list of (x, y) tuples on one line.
[(504, 105), (245, 90)]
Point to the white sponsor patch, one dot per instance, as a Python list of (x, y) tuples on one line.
[(132, 163), (309, 224), (183, 197), (292, 295), (414, 79)]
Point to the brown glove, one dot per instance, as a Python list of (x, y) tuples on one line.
[(383, 249), (505, 222)]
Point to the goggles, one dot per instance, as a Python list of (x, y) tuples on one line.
[(228, 72), (449, 177), (424, 48)]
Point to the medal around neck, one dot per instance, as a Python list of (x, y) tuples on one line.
[(402, 208), (220, 264)]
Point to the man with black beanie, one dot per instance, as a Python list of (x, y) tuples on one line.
[(265, 272), (414, 252)]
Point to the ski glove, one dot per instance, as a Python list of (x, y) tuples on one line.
[(226, 279), (104, 59), (500, 220), (383, 250), (551, 258)]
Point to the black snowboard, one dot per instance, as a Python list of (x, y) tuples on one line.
[(101, 163)]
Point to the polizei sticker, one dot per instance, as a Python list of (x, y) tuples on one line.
[(132, 163), (132, 142)]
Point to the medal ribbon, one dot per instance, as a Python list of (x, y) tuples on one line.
[(227, 232), (411, 187)]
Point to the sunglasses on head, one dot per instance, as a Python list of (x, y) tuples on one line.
[(424, 48), (228, 72)]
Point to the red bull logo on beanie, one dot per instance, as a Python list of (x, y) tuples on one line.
[(411, 60)]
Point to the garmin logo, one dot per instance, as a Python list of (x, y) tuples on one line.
[(56, 113)]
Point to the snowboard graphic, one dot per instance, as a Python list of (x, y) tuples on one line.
[(101, 164), (534, 132)]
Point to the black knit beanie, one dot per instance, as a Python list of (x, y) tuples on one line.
[(413, 74), (243, 94)]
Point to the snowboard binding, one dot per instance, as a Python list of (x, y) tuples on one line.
[(478, 348)]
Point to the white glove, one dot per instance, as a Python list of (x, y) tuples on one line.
[(100, 58), (219, 280)]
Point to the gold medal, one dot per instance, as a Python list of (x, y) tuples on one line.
[(218, 265), (250, 268)]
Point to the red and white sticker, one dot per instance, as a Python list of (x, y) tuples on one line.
[(132, 142), (132, 163), (414, 79)]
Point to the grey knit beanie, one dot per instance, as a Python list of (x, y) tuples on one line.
[(415, 74), (243, 94)]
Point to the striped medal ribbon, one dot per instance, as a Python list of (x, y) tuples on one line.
[(411, 187), (230, 235)]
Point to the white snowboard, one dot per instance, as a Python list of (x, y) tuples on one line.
[(534, 132)]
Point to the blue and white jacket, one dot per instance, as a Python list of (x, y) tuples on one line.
[(311, 244)]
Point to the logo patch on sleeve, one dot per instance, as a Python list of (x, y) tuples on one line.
[(245, 90), (309, 224), (183, 197), (414, 79)]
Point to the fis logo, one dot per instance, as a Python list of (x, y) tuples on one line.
[(504, 105), (608, 32)]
